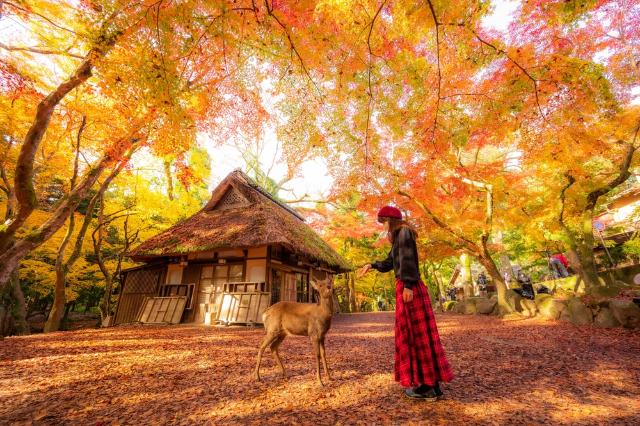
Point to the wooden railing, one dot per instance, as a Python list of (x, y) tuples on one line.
[(247, 287)]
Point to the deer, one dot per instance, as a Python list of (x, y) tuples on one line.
[(300, 319)]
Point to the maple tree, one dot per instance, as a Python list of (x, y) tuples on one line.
[(152, 65), (472, 131), (444, 128)]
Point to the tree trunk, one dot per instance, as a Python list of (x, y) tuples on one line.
[(105, 304), (59, 301), (59, 297), (581, 241), (97, 249), (65, 317), (465, 261), (13, 309), (353, 306), (487, 262), (442, 294), (10, 259), (336, 305), (581, 253), (505, 265), (347, 291), (169, 175), (23, 181)]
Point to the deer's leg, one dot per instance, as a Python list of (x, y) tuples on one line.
[(274, 350), (316, 348), (268, 339), (324, 360)]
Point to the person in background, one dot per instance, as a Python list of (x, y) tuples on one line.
[(559, 264), (451, 293), (507, 279), (420, 361), (482, 283), (526, 286)]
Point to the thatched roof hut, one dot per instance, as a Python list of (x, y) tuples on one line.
[(242, 241), (240, 214)]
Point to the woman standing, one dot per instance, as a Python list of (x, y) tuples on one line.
[(420, 362)]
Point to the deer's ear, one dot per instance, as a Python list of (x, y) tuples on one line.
[(314, 283)]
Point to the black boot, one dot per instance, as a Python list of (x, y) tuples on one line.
[(438, 391), (429, 395)]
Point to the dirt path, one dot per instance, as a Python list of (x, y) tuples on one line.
[(508, 372)]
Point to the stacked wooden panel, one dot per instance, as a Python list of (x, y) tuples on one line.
[(243, 307), (162, 310)]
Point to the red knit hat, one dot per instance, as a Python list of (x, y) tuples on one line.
[(389, 211)]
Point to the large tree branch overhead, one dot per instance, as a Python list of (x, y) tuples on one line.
[(622, 176)]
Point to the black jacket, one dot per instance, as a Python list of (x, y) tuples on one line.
[(403, 258)]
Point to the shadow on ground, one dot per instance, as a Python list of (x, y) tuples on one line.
[(508, 372)]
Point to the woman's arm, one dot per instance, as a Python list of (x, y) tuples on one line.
[(407, 259), (383, 265)]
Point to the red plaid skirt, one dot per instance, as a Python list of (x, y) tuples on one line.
[(420, 358)]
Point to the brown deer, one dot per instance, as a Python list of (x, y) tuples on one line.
[(300, 319)]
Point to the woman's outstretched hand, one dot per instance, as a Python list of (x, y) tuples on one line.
[(407, 295), (362, 271)]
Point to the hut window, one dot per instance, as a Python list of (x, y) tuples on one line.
[(289, 292), (276, 280), (302, 287), (235, 273), (276, 252), (174, 274), (179, 290), (207, 272)]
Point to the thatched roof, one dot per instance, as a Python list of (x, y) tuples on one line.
[(240, 214)]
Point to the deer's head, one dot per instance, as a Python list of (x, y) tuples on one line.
[(324, 287)]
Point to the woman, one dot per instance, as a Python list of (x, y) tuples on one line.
[(420, 362)]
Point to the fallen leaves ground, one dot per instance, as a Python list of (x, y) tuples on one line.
[(508, 372)]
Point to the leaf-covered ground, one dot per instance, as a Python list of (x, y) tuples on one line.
[(508, 372)]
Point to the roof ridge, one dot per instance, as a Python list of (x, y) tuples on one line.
[(253, 184)]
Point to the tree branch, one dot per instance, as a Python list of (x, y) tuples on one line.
[(513, 61), (23, 179), (270, 12), (40, 16), (488, 188), (437, 27), (470, 245), (88, 216), (39, 50), (571, 180), (366, 132), (623, 175)]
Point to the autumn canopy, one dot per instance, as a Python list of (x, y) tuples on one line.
[(503, 130), (483, 132)]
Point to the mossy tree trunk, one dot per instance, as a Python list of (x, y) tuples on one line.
[(13, 309), (579, 232), (478, 249), (467, 280)]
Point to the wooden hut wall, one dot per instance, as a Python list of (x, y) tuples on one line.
[(191, 275), (138, 284), (209, 271), (256, 266), (288, 276)]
